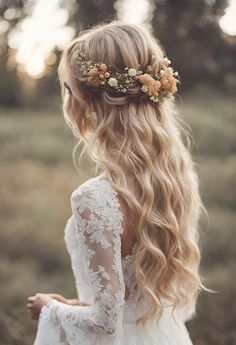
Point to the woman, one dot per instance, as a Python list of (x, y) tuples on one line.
[(133, 233)]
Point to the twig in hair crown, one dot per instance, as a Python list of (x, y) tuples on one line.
[(156, 85)]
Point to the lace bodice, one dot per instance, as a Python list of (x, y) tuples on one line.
[(92, 236), (93, 240)]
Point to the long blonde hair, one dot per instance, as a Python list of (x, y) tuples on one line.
[(129, 133)]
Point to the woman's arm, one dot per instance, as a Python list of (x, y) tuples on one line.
[(100, 246), (37, 302)]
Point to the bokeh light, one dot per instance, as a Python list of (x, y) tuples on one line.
[(135, 11), (37, 35), (228, 22)]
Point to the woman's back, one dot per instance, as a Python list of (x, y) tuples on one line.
[(94, 228)]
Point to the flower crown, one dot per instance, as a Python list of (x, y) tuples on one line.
[(156, 85)]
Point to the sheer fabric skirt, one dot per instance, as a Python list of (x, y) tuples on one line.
[(168, 331)]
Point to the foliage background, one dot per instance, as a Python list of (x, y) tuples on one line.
[(38, 175)]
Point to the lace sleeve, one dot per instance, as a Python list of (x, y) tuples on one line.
[(98, 227)]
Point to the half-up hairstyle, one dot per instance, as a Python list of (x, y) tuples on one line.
[(151, 142)]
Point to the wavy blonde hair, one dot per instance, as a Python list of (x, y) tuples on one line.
[(130, 134)]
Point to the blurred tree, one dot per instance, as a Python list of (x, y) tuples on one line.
[(9, 87), (91, 12), (190, 32), (11, 12)]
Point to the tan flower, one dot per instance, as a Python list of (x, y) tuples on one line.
[(93, 72), (152, 85), (94, 81), (154, 88), (103, 67), (145, 79), (164, 63), (173, 87), (169, 83)]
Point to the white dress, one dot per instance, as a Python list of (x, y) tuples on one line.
[(92, 237)]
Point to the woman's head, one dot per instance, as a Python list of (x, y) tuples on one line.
[(131, 135), (116, 44)]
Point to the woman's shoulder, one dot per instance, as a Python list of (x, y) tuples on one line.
[(87, 185), (98, 195), (90, 188)]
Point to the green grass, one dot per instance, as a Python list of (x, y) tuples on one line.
[(38, 177)]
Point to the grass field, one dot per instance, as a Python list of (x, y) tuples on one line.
[(38, 176)]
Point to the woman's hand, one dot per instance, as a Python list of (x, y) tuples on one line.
[(36, 303), (70, 301)]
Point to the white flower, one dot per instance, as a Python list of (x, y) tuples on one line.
[(144, 88), (107, 74), (162, 72), (132, 72), (112, 82), (154, 99), (164, 63)]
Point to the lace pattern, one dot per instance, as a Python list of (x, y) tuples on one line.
[(98, 223)]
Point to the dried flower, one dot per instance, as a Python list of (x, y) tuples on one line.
[(132, 72), (144, 88), (94, 81), (150, 85), (156, 83), (103, 67), (113, 82), (93, 72)]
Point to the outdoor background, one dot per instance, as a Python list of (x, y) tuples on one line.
[(37, 173)]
